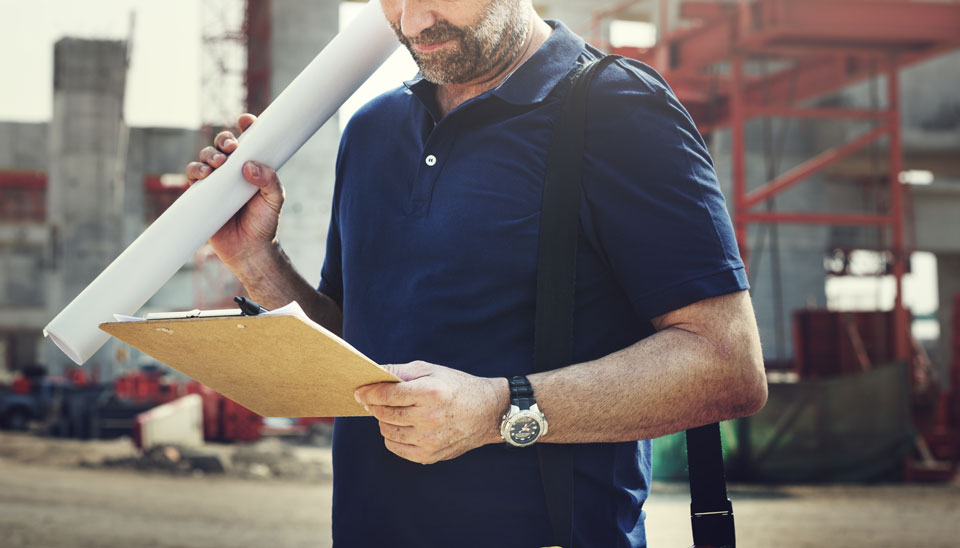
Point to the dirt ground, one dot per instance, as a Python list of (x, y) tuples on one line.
[(49, 499)]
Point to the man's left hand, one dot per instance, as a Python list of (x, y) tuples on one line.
[(436, 413)]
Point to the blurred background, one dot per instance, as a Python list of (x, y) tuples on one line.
[(835, 129)]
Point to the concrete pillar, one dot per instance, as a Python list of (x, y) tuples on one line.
[(87, 155), (300, 29)]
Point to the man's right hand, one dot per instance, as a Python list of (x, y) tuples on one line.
[(253, 230)]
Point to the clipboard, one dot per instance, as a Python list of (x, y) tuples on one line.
[(276, 366)]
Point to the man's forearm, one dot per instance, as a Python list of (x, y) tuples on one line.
[(663, 384), (681, 377), (272, 281)]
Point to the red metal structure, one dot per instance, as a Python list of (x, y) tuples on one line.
[(256, 28), (821, 46), (23, 196)]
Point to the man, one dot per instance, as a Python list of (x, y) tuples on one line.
[(430, 266)]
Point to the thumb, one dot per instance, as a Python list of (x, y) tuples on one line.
[(410, 371), (259, 174), (265, 178)]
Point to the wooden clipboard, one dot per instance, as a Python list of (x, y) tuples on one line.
[(277, 366)]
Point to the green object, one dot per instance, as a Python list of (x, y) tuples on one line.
[(853, 428), (670, 453)]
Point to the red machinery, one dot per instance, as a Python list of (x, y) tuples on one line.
[(828, 343), (224, 419), (147, 385)]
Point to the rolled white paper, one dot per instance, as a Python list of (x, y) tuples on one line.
[(296, 114)]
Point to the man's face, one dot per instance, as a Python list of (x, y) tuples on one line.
[(458, 41)]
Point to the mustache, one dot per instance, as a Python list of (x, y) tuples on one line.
[(441, 31)]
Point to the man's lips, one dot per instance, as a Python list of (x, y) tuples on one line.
[(427, 48)]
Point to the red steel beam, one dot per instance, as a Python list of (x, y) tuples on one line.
[(738, 159), (692, 51), (853, 24), (827, 113), (811, 166), (35, 180), (880, 22), (900, 314), (812, 77), (818, 218), (704, 10)]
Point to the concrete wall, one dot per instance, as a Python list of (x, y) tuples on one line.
[(23, 146), (96, 169), (300, 29), (25, 248), (87, 152), (152, 151)]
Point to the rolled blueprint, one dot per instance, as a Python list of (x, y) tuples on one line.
[(153, 258)]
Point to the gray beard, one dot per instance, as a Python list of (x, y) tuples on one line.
[(496, 40)]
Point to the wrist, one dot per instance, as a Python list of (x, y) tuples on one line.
[(255, 260), (498, 403)]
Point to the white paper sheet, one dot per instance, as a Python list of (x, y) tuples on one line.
[(291, 309), (142, 269)]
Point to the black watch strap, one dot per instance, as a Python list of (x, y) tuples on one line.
[(521, 393)]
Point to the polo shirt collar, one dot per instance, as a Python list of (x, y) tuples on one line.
[(533, 81)]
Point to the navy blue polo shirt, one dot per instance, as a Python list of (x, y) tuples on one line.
[(432, 255)]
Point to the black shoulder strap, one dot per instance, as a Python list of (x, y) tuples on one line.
[(711, 513), (553, 335), (556, 278)]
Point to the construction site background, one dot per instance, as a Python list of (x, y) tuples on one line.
[(835, 130)]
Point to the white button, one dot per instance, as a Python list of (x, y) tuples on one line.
[(431, 160)]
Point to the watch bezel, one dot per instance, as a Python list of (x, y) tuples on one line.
[(514, 415)]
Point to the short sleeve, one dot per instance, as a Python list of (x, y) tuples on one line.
[(331, 275), (652, 205)]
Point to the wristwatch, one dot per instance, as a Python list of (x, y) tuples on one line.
[(523, 423)]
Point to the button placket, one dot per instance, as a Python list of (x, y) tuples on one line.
[(438, 145)]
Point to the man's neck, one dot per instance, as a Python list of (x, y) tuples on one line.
[(450, 96)]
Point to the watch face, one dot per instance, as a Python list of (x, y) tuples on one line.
[(525, 429)]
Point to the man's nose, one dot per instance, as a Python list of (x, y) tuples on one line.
[(415, 17)]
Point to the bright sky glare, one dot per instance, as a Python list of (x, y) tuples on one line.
[(163, 84)]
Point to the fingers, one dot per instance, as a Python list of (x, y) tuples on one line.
[(401, 394), (409, 452), (400, 434), (225, 142), (196, 171), (245, 121), (212, 157), (397, 416)]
